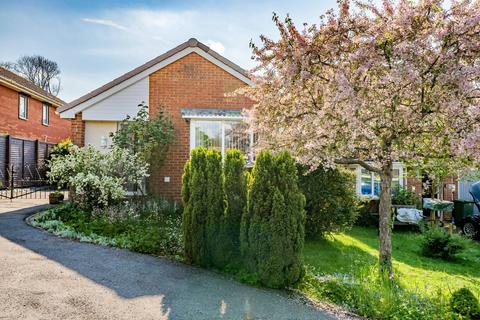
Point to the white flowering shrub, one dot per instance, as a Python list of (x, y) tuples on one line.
[(97, 179)]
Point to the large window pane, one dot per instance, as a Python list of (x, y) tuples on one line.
[(208, 134), (236, 136), (376, 184), (366, 183)]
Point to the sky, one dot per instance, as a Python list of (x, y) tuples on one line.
[(94, 42)]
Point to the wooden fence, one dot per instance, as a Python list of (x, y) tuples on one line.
[(22, 161)]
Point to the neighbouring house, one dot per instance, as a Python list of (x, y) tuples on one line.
[(29, 112), (192, 83), (29, 127)]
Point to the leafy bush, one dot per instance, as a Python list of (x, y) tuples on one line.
[(331, 202), (402, 196), (366, 207), (273, 226), (96, 179), (152, 226), (464, 303), (437, 243), (235, 188), (145, 135)]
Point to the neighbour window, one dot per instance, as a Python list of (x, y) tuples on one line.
[(22, 106), (369, 182), (222, 136), (45, 115)]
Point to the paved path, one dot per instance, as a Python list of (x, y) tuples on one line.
[(45, 277)]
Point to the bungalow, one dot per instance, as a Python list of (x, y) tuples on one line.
[(191, 83)]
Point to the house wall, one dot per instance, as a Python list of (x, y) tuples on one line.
[(119, 105), (95, 131), (190, 82), (415, 184), (31, 128), (78, 130)]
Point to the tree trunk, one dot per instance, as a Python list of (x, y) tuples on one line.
[(385, 223)]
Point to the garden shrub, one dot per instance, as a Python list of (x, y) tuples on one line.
[(196, 209), (187, 228), (96, 179), (464, 303), (235, 188), (150, 226), (215, 232), (367, 212), (331, 201), (273, 228), (402, 196), (438, 243)]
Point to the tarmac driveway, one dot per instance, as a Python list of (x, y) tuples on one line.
[(45, 277)]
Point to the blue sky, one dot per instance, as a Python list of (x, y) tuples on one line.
[(96, 41)]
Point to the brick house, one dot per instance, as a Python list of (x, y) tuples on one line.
[(28, 112), (191, 82)]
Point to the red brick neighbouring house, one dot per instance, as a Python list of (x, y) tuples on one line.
[(28, 112), (191, 82)]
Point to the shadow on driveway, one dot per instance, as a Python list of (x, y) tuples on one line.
[(188, 292)]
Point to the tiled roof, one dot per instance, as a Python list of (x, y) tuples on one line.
[(190, 43), (18, 81)]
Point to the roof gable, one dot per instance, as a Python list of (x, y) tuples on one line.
[(129, 78), (19, 83)]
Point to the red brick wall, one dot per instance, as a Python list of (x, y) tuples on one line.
[(191, 82), (447, 193), (78, 130), (32, 128)]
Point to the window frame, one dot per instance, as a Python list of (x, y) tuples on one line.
[(358, 172), (47, 123), (249, 156), (20, 96)]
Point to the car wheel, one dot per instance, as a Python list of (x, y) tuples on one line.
[(469, 229)]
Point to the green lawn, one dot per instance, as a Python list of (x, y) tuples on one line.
[(354, 251)]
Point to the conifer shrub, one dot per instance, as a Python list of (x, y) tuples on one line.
[(272, 229), (464, 303), (215, 232), (235, 188), (196, 208)]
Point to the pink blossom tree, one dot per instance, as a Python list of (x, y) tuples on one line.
[(370, 85)]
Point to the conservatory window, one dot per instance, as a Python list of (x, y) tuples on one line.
[(222, 135)]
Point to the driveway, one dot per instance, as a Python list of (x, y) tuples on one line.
[(45, 277)]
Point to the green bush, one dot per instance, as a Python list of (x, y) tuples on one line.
[(464, 303), (331, 202), (152, 226), (438, 243), (402, 196), (235, 188), (272, 232), (196, 208), (215, 235)]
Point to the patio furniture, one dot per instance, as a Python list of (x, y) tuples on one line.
[(438, 208)]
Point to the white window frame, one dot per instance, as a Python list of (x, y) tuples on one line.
[(45, 122), (25, 98), (358, 172), (222, 120)]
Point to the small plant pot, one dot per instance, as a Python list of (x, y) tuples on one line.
[(55, 198)]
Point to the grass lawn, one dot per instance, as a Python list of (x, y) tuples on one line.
[(354, 251)]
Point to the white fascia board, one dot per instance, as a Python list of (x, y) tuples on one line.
[(82, 106), (213, 118)]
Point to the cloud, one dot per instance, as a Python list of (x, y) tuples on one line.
[(216, 46), (105, 22)]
